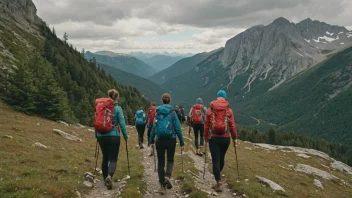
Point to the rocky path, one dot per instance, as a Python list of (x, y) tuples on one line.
[(151, 178), (99, 189), (205, 184)]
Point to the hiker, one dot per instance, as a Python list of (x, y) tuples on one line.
[(183, 115), (140, 122), (178, 112), (109, 141), (197, 117), (150, 122), (166, 127), (219, 124)]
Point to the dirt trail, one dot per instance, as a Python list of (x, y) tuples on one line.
[(100, 190), (152, 180), (205, 184)]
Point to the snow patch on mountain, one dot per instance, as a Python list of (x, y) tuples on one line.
[(307, 40), (328, 33)]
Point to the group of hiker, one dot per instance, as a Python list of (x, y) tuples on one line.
[(214, 126)]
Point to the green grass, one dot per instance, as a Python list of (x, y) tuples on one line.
[(27, 172)]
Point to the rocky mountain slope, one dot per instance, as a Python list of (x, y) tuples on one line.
[(159, 61), (263, 57), (316, 103), (123, 62)]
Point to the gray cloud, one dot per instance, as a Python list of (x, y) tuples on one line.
[(95, 24), (202, 13)]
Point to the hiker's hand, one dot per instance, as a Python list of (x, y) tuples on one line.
[(126, 139), (152, 145), (235, 142), (182, 148)]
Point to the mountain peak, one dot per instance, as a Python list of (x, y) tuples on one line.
[(281, 20)]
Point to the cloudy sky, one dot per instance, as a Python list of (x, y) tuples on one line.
[(176, 25)]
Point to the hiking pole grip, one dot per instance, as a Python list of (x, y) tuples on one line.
[(238, 173), (128, 160), (205, 158)]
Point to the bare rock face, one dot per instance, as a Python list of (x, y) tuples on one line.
[(22, 11), (270, 183), (341, 167), (314, 171)]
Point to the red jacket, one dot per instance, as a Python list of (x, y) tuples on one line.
[(231, 123)]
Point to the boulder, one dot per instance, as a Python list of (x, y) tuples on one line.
[(303, 155), (67, 136), (314, 171), (270, 183), (7, 137), (266, 146), (62, 122), (318, 184), (248, 148), (89, 177), (341, 167), (91, 130), (88, 184), (39, 145)]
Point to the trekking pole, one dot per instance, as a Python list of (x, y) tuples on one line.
[(238, 173), (96, 155), (205, 158), (182, 160), (154, 158), (128, 160)]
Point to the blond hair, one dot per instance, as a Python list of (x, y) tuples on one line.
[(113, 94)]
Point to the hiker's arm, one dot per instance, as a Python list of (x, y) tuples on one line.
[(178, 130), (232, 125), (190, 112), (121, 120), (206, 126)]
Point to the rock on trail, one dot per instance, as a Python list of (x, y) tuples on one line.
[(67, 136)]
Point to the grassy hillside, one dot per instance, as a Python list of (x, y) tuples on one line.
[(30, 172), (146, 87), (316, 103)]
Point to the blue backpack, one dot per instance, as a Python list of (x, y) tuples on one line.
[(164, 123), (139, 118)]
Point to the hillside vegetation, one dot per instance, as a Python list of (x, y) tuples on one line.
[(51, 79)]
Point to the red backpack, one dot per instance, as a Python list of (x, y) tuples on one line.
[(151, 115), (104, 112), (197, 114), (219, 116)]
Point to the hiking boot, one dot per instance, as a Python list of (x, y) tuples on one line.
[(108, 182), (218, 187), (161, 190), (168, 183), (151, 153)]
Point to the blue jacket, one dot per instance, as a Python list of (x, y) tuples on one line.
[(177, 125), (118, 116)]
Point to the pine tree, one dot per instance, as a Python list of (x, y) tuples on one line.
[(65, 38), (53, 31)]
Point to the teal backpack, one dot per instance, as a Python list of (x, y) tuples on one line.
[(164, 123), (139, 118)]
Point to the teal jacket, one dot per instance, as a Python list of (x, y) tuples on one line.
[(119, 117), (177, 125)]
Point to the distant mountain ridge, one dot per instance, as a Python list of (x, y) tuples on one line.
[(124, 62)]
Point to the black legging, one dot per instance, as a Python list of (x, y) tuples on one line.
[(140, 130), (218, 148), (198, 129), (169, 147), (110, 146)]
